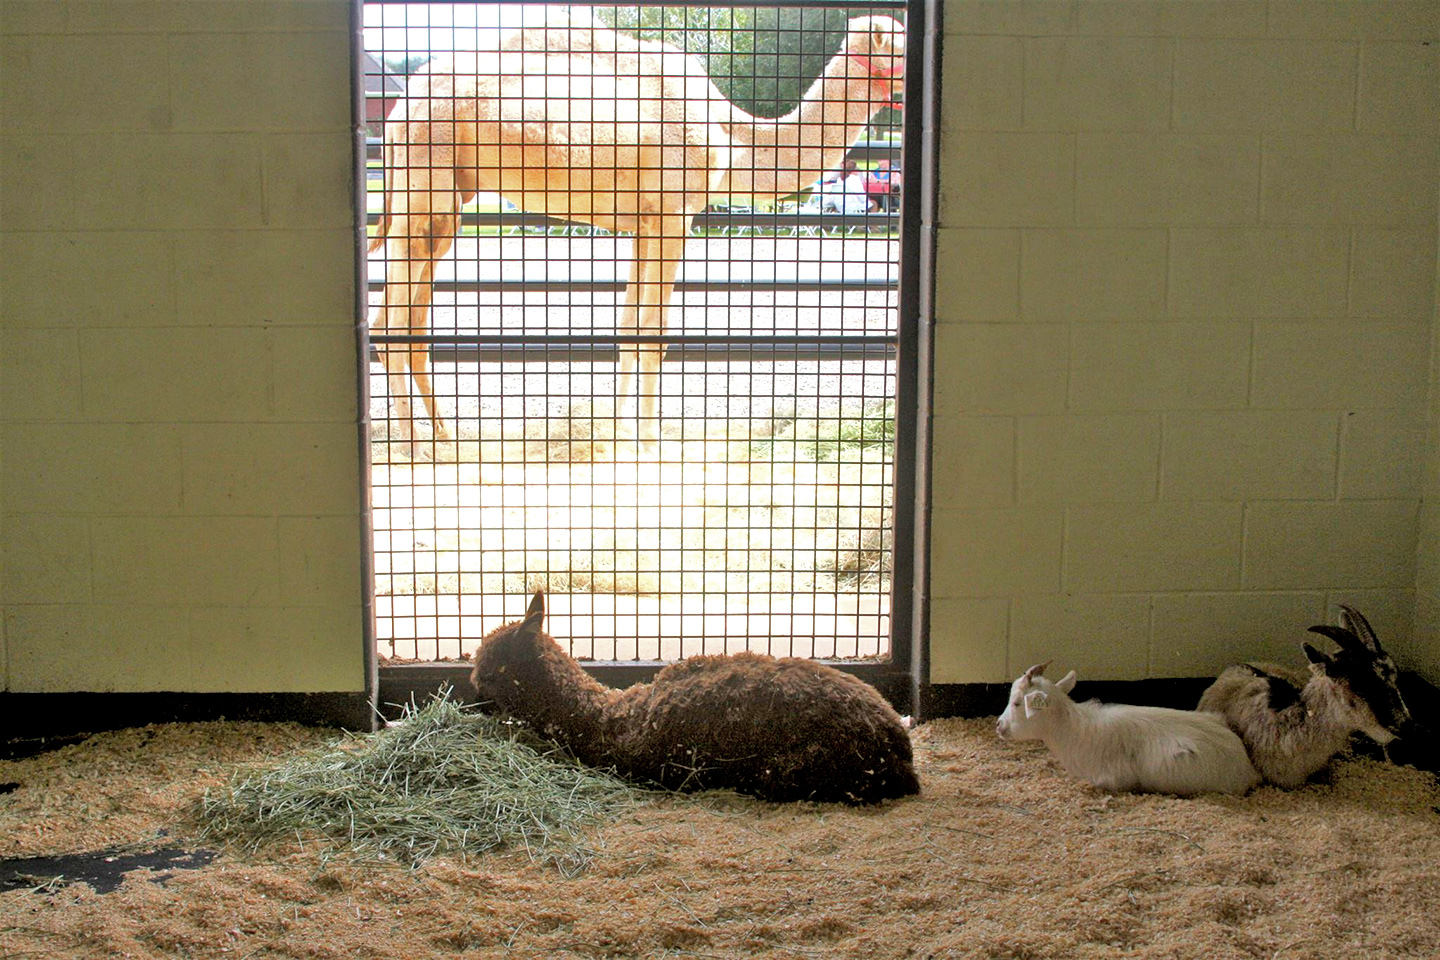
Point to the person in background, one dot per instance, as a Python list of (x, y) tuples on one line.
[(882, 186), (845, 191)]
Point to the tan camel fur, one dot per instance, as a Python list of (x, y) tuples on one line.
[(577, 121)]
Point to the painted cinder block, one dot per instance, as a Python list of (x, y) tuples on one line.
[(983, 82), (46, 559), (1097, 83), (1000, 368), (308, 180), (968, 640), (41, 271), (1357, 179), (1385, 364), (277, 649), (185, 560), (314, 373), (144, 16), (1355, 19), (320, 560), (979, 462), (1159, 366), (123, 86), (1362, 544), (1152, 547), (182, 374), (1006, 179), (1250, 454), (33, 165), (74, 647), (977, 275), (1200, 634), (263, 468), (1399, 88), (997, 552), (1092, 274), (1131, 179), (249, 277), (148, 181), (1379, 454), (1099, 637), (1263, 85), (1258, 272), (1170, 18), (1010, 17), (247, 81), (90, 468), (1087, 458), (31, 16), (42, 374), (1392, 273)]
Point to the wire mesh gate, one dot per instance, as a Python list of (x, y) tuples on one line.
[(555, 206)]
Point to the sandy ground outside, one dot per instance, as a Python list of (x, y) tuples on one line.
[(1001, 856)]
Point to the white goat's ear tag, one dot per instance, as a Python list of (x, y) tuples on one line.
[(1035, 702), (1066, 683)]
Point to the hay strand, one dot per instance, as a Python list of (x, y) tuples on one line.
[(442, 780)]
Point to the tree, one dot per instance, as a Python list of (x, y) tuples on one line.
[(762, 59), (404, 66)]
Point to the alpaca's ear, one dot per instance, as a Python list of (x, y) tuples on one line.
[(535, 616)]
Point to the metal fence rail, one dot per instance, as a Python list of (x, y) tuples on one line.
[(769, 517)]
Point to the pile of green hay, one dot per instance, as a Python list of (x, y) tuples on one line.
[(442, 780)]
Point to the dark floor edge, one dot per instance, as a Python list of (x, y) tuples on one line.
[(34, 722)]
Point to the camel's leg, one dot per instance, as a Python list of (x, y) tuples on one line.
[(394, 317), (442, 236), (627, 356), (414, 243), (658, 266)]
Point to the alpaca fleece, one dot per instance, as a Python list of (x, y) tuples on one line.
[(778, 729)]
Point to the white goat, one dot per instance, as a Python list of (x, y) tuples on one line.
[(1126, 748), (1293, 724)]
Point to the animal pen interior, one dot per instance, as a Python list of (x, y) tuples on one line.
[(635, 325)]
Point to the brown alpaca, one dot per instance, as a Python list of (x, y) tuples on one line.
[(575, 120), (781, 730)]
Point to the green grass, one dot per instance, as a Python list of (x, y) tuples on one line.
[(866, 437)]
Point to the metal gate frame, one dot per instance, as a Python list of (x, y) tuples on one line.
[(898, 678)]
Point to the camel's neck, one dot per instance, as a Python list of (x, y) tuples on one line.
[(782, 156)]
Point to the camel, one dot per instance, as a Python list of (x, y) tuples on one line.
[(574, 120)]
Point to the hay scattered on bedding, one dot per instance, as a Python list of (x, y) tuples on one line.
[(442, 780)]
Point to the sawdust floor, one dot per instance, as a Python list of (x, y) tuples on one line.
[(1001, 856)]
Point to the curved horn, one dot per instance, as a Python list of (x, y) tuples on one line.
[(1353, 619), (1345, 638), (1037, 670)]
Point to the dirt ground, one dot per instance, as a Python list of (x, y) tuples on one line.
[(1000, 856)]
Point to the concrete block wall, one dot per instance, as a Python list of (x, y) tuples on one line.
[(179, 494), (1186, 308), (1183, 332)]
